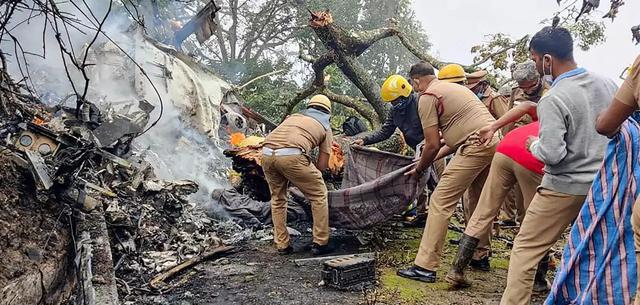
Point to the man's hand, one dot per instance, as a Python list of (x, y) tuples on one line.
[(414, 173), (358, 142), (530, 141), (486, 135)]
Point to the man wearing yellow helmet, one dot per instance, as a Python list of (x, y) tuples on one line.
[(476, 82), (404, 116), (286, 160), (404, 113), (453, 73)]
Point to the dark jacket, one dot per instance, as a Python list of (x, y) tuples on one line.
[(403, 115)]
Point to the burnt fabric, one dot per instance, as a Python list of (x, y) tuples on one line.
[(599, 262), (374, 188), (253, 213)]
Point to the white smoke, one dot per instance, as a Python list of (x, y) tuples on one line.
[(184, 143)]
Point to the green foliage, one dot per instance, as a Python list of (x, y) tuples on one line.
[(588, 33), (265, 95), (500, 52)]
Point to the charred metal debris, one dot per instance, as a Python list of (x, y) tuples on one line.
[(131, 230)]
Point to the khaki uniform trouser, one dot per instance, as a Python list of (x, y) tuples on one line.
[(546, 219), (513, 207), (469, 166), (439, 166), (635, 222), (297, 170), (504, 173)]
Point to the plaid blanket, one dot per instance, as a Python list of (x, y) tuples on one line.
[(599, 263), (374, 188)]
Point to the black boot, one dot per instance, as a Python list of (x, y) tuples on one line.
[(540, 283), (419, 274), (467, 246), (321, 250), (286, 251), (481, 264)]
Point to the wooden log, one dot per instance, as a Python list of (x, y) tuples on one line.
[(159, 283), (319, 260)]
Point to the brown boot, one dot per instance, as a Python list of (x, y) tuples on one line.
[(455, 276)]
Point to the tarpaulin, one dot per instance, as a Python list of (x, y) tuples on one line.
[(374, 188), (599, 264)]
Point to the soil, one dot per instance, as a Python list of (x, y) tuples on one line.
[(33, 233), (255, 274), (34, 239)]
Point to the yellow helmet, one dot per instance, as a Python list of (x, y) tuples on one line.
[(394, 87), (452, 73), (321, 101)]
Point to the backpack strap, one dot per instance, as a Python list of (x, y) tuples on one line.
[(439, 104), (490, 106)]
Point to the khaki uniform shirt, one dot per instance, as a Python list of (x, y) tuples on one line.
[(629, 93), (454, 109), (497, 104), (519, 95), (300, 131)]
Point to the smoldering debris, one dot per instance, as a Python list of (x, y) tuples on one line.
[(130, 225)]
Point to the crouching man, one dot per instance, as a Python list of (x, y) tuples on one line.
[(286, 160)]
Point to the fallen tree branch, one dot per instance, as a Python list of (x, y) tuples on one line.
[(301, 95), (158, 282), (419, 53), (240, 88), (359, 105)]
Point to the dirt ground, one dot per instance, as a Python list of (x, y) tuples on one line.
[(33, 238), (255, 274)]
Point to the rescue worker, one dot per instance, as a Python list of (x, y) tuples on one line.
[(530, 88), (457, 113), (497, 104), (286, 160), (453, 73), (625, 103), (404, 116), (569, 148), (404, 113), (512, 164)]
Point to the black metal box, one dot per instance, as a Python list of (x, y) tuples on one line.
[(349, 272)]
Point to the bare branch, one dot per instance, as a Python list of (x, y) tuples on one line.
[(301, 95), (240, 88), (419, 53), (359, 105)]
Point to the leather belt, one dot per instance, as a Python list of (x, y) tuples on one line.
[(281, 151)]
